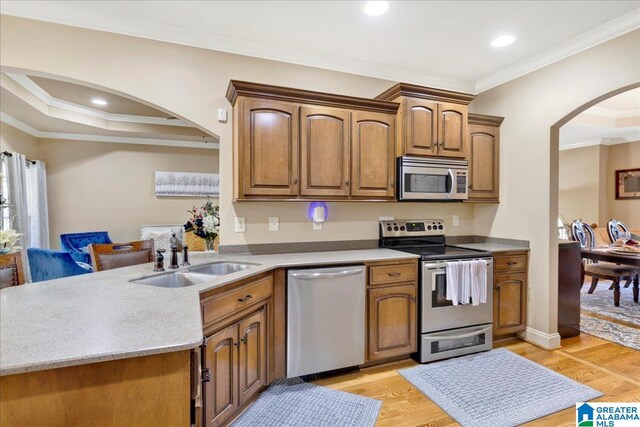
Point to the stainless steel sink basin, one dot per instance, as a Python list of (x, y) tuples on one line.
[(221, 268), (194, 276), (173, 280)]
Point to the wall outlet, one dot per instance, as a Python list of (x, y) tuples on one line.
[(386, 218), (456, 220), (317, 225), (274, 223), (239, 224), (222, 115)]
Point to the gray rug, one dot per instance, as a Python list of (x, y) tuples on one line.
[(292, 402), (496, 388), (610, 331), (601, 302)]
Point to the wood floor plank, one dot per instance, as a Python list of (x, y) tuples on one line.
[(610, 368)]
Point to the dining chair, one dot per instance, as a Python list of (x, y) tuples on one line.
[(585, 235), (77, 244), (11, 270), (116, 255), (615, 229), (46, 264)]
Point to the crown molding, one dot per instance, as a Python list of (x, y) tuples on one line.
[(36, 90), (484, 119), (593, 142), (611, 113), (607, 31), (415, 91), (18, 124)]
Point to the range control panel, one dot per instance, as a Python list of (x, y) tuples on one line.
[(423, 227)]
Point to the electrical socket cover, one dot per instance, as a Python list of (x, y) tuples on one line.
[(239, 224), (274, 223)]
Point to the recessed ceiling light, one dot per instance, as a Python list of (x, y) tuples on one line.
[(375, 8), (98, 101), (504, 40)]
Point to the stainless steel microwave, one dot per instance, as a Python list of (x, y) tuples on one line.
[(432, 179)]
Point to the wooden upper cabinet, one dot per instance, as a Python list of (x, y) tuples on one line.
[(433, 122), (293, 144), (324, 151), (483, 150), (421, 127), (268, 146), (452, 130), (372, 154)]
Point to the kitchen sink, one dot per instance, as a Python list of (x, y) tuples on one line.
[(221, 268), (193, 276)]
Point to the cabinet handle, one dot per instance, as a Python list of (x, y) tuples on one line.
[(243, 340), (295, 181), (237, 344), (511, 263), (413, 299), (471, 187), (206, 375), (496, 288), (347, 182), (245, 299), (393, 184), (394, 274)]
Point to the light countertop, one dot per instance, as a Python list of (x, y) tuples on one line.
[(491, 247), (103, 316)]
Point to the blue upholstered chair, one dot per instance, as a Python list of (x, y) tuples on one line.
[(77, 244), (46, 264)]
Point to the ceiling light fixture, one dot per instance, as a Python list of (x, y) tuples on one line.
[(376, 8), (504, 40), (99, 101)]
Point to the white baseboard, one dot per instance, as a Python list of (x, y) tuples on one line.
[(541, 339)]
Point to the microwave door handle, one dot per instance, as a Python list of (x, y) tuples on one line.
[(450, 180)]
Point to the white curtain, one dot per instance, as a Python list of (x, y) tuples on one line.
[(37, 205), (17, 197)]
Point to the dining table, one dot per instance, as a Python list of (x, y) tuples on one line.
[(606, 254)]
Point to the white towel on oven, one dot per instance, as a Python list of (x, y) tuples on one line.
[(478, 281), (455, 273)]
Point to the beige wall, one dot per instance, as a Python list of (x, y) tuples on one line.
[(623, 156), (16, 141), (580, 183), (105, 186), (529, 178), (191, 83)]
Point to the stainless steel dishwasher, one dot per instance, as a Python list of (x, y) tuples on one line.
[(325, 319)]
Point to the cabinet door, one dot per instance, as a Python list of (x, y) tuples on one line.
[(452, 130), (372, 155), (421, 127), (220, 394), (392, 321), (324, 152), (252, 374), (483, 154), (269, 144), (509, 303)]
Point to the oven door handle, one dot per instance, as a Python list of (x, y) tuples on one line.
[(457, 337)]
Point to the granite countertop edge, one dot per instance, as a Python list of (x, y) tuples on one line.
[(112, 315)]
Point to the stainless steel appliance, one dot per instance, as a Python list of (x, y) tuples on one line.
[(325, 319), (445, 330), (429, 179)]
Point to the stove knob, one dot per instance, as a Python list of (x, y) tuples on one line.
[(440, 227), (395, 228), (389, 228), (428, 227), (402, 228)]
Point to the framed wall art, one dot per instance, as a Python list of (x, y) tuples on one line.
[(628, 184), (187, 184)]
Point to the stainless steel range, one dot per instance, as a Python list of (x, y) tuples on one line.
[(445, 330)]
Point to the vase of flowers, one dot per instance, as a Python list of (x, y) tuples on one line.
[(8, 241), (205, 223)]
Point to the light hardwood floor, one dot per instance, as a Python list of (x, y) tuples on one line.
[(610, 368)]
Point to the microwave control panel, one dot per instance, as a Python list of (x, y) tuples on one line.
[(423, 227)]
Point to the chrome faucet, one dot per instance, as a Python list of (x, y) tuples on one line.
[(185, 256), (174, 252), (159, 263)]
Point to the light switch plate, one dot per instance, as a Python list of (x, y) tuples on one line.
[(239, 224), (222, 115), (317, 225), (274, 223), (456, 220)]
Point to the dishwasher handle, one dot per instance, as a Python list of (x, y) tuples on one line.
[(332, 275)]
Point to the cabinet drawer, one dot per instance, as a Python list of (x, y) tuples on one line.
[(222, 305), (392, 273), (510, 263)]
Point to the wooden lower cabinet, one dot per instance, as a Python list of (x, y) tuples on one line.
[(220, 360), (252, 360), (392, 321), (509, 293)]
